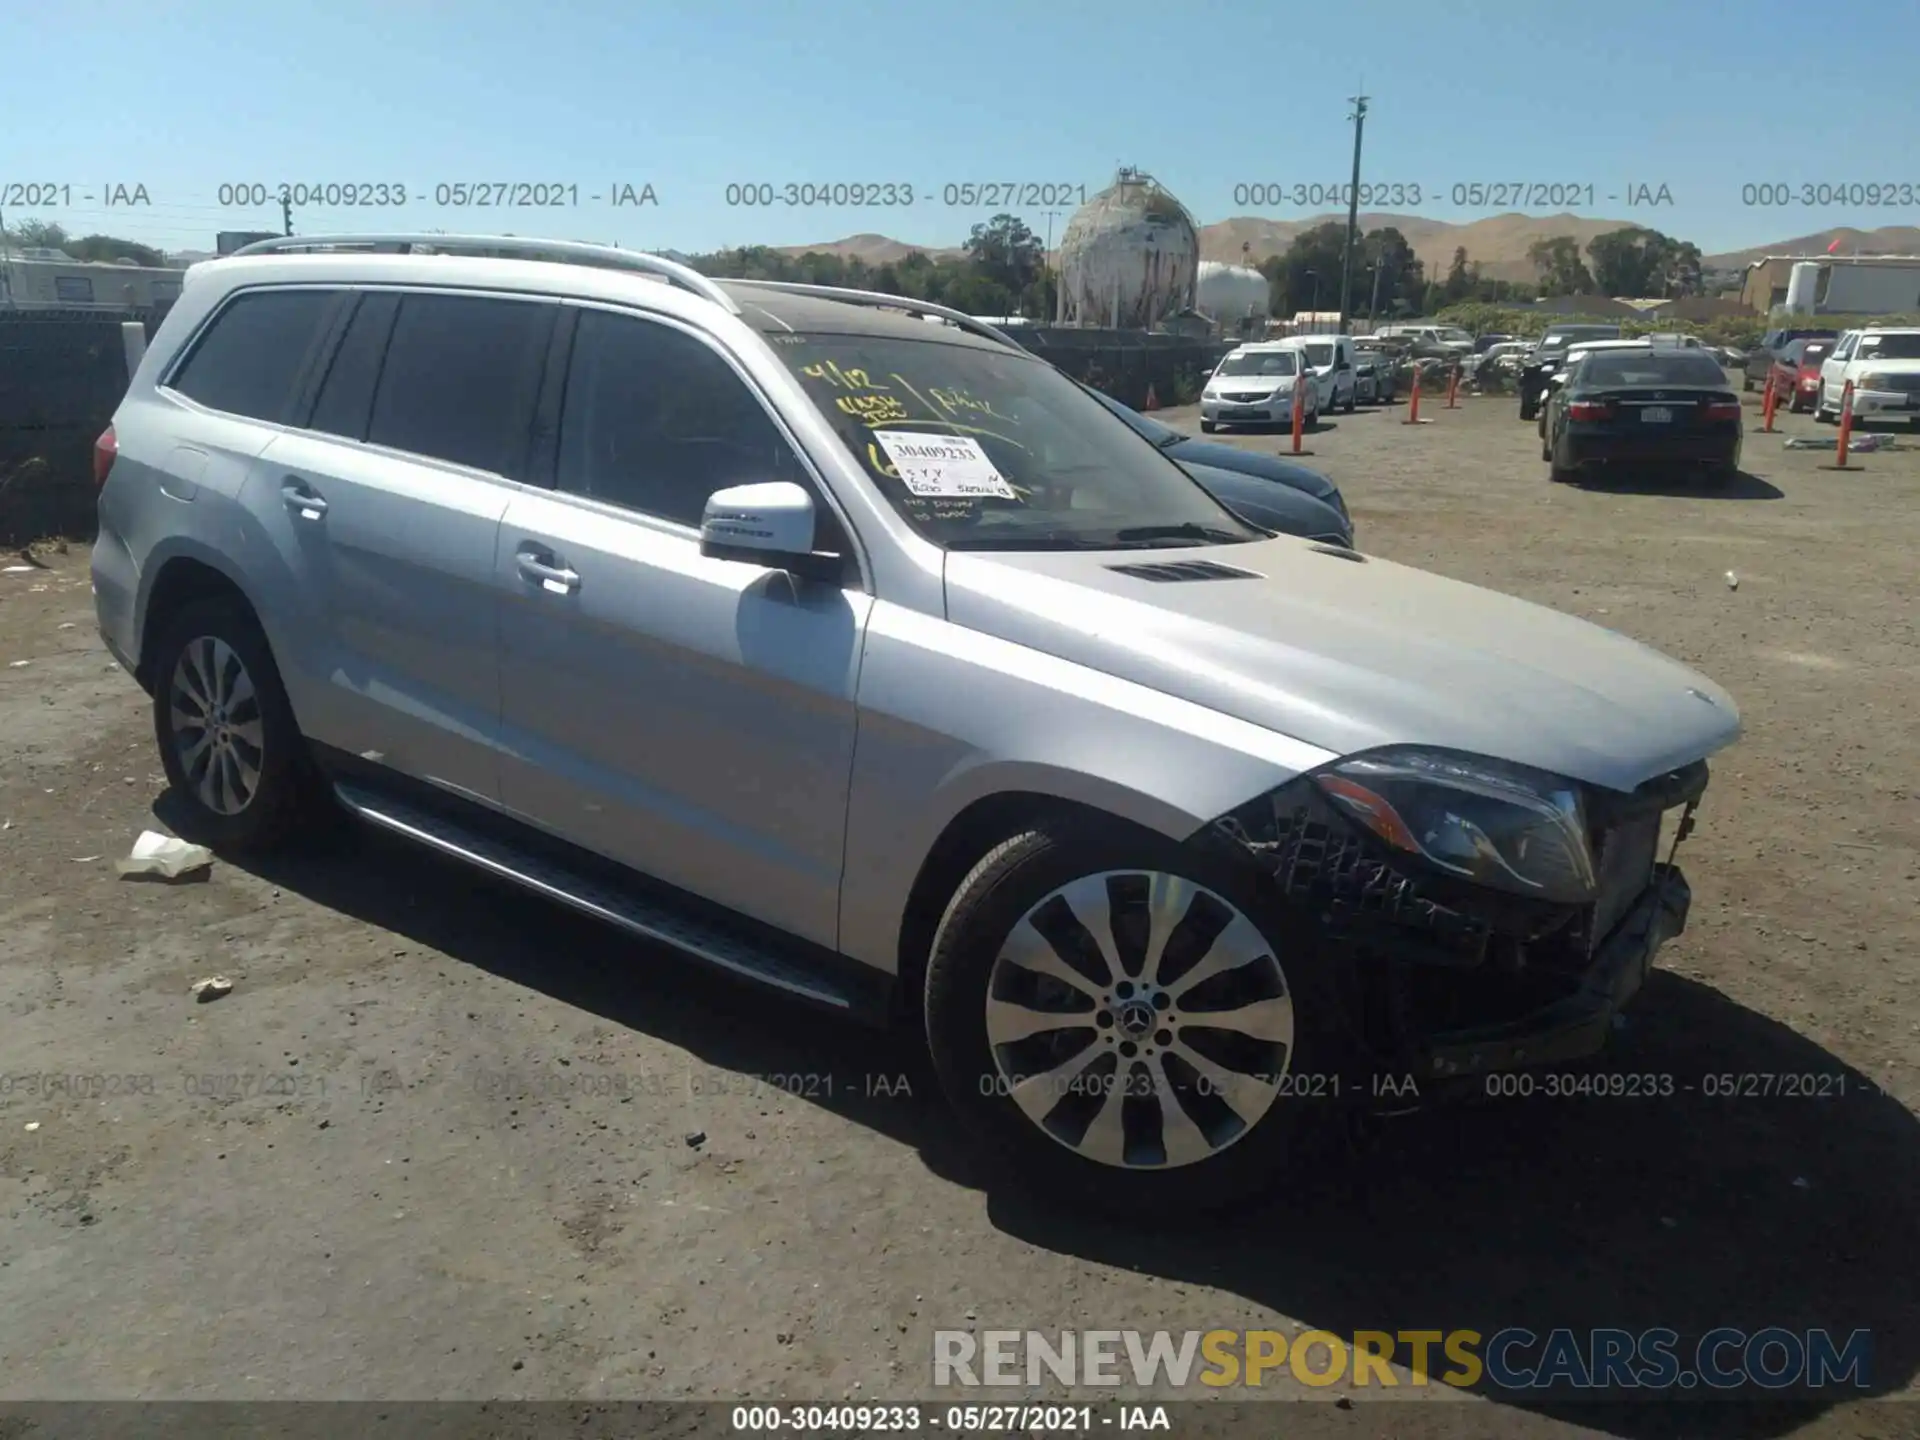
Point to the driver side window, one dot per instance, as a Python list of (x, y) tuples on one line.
[(655, 421)]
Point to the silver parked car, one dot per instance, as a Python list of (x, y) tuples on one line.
[(875, 660)]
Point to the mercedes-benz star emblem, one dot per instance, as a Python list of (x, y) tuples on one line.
[(1136, 1017), (1702, 695)]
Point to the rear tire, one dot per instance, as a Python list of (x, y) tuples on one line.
[(1746, 383), (1117, 1113), (228, 740)]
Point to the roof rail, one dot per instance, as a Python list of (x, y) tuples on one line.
[(880, 301), (572, 252)]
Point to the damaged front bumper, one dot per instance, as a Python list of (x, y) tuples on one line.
[(1576, 1026), (1442, 982)]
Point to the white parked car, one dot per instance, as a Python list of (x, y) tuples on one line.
[(1255, 385), (1884, 366)]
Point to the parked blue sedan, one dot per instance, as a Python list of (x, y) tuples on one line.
[(1196, 455)]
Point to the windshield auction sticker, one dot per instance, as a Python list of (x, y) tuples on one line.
[(944, 467)]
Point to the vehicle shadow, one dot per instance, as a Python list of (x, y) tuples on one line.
[(1687, 1211), (1651, 480)]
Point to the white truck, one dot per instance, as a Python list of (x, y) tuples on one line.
[(1883, 366)]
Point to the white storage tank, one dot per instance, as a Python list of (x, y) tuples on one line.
[(1232, 292), (1130, 257), (1803, 283)]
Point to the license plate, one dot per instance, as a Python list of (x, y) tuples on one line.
[(1655, 415)]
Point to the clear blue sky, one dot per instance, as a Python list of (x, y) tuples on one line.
[(184, 97)]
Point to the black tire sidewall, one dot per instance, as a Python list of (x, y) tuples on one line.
[(284, 775), (984, 911)]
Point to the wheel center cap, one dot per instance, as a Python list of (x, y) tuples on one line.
[(1136, 1017)]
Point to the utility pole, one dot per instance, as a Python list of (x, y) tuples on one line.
[(1359, 118), (1373, 305), (286, 212)]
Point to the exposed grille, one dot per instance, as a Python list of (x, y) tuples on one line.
[(1176, 571)]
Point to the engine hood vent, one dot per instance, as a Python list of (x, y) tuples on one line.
[(1174, 572)]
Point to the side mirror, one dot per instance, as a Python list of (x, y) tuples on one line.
[(769, 525)]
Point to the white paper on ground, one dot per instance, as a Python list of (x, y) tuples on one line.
[(164, 855), (943, 467)]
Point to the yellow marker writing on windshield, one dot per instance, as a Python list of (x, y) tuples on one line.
[(873, 409)]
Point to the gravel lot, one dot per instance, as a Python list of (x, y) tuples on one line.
[(439, 1141)]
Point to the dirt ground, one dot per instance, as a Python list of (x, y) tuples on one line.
[(445, 1140)]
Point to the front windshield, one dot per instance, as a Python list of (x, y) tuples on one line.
[(1257, 362), (1319, 354), (1889, 347), (986, 449), (1454, 335), (1560, 339)]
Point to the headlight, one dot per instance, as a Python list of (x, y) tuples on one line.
[(1503, 826), (1876, 382)]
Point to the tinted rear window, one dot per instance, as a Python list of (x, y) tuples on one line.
[(1650, 367), (459, 379), (248, 361)]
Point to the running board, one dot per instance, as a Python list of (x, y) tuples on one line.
[(650, 919)]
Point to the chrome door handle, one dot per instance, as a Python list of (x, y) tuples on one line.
[(301, 499), (554, 578)]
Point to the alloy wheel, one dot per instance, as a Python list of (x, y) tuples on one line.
[(214, 714), (1140, 1020)]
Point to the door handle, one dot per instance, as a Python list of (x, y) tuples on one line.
[(302, 500), (548, 573)]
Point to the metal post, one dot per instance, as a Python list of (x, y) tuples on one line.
[(1353, 209), (1373, 304)]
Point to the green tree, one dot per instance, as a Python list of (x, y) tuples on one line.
[(1557, 262), (36, 235), (1637, 261), (1459, 283), (1006, 252)]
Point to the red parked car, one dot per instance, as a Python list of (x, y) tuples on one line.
[(1795, 377)]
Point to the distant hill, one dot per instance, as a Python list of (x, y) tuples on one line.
[(1498, 244), (873, 249), (1887, 240)]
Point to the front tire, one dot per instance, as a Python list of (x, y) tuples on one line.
[(1207, 427), (228, 740), (1109, 1018)]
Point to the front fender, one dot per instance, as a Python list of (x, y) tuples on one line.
[(951, 716)]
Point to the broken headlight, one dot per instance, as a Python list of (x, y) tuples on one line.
[(1504, 826)]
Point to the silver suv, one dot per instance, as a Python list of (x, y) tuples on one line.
[(872, 659)]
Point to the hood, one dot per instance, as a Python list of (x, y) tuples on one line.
[(1270, 505), (1350, 654), (1248, 462), (1252, 384)]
